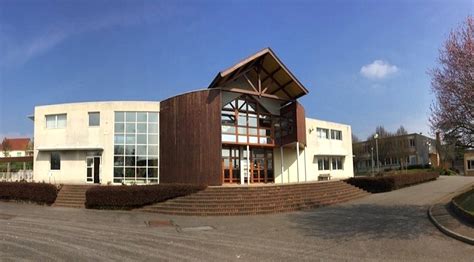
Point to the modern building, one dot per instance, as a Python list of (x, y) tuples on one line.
[(394, 152), (15, 147), (246, 127)]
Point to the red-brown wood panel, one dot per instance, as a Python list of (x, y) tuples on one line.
[(295, 111), (190, 138), (300, 124)]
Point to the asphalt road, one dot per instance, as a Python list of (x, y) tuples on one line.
[(389, 226)]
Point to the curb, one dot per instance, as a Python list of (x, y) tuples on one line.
[(447, 231)]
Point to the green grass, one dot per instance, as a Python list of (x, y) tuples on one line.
[(466, 201)]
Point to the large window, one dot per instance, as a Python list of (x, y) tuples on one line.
[(136, 147), (94, 119), (336, 134), (55, 161), (323, 163), (322, 133), (336, 163), (244, 121), (56, 121)]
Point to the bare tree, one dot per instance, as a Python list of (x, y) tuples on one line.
[(381, 131), (6, 147), (401, 131), (355, 139), (452, 83)]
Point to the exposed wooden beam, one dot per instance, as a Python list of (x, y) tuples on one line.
[(251, 84), (243, 91), (271, 74), (282, 87)]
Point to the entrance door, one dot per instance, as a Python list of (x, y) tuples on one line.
[(261, 165), (93, 169), (231, 164)]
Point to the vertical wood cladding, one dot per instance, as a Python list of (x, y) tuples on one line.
[(190, 138), (296, 112), (300, 124)]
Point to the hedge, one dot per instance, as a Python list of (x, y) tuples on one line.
[(391, 182), (128, 197), (40, 193)]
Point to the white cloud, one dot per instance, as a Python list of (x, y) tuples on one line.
[(378, 69)]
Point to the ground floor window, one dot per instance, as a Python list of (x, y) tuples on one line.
[(55, 161), (323, 163), (470, 164), (337, 163)]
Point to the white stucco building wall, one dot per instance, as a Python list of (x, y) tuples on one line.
[(77, 139), (306, 168)]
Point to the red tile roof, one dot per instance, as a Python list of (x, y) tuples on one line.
[(17, 144)]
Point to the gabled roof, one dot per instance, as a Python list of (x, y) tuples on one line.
[(276, 79), (16, 144)]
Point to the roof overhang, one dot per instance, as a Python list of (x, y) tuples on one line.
[(70, 148), (274, 78)]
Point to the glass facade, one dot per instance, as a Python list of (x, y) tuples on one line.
[(136, 147), (244, 121)]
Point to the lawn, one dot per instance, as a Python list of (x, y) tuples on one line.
[(466, 201)]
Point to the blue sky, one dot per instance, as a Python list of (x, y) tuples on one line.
[(365, 63)]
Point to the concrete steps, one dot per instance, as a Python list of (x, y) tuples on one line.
[(253, 200), (72, 196)]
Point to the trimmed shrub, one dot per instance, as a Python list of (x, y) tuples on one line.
[(40, 193), (128, 197), (391, 182)]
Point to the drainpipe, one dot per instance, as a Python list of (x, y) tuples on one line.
[(282, 166), (304, 162), (248, 165), (298, 161)]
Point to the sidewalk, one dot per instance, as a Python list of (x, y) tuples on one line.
[(447, 222)]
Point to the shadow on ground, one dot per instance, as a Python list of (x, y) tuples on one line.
[(366, 221)]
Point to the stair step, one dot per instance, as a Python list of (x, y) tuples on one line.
[(224, 201), (72, 196), (197, 205)]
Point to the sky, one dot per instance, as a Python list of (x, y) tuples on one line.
[(364, 63)]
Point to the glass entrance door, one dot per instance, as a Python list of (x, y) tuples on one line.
[(231, 164), (93, 169), (261, 166)]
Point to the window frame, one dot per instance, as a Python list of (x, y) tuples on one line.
[(92, 114), (136, 147), (55, 164), (336, 134), (56, 121), (470, 164), (320, 131)]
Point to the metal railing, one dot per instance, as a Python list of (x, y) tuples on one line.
[(21, 175)]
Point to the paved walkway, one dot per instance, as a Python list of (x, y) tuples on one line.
[(390, 226)]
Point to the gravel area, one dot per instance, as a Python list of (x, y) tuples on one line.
[(390, 226)]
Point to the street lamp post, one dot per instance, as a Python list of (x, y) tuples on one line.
[(376, 136), (372, 159)]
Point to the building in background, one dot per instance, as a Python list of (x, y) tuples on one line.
[(247, 127), (469, 162), (411, 150), (16, 147)]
